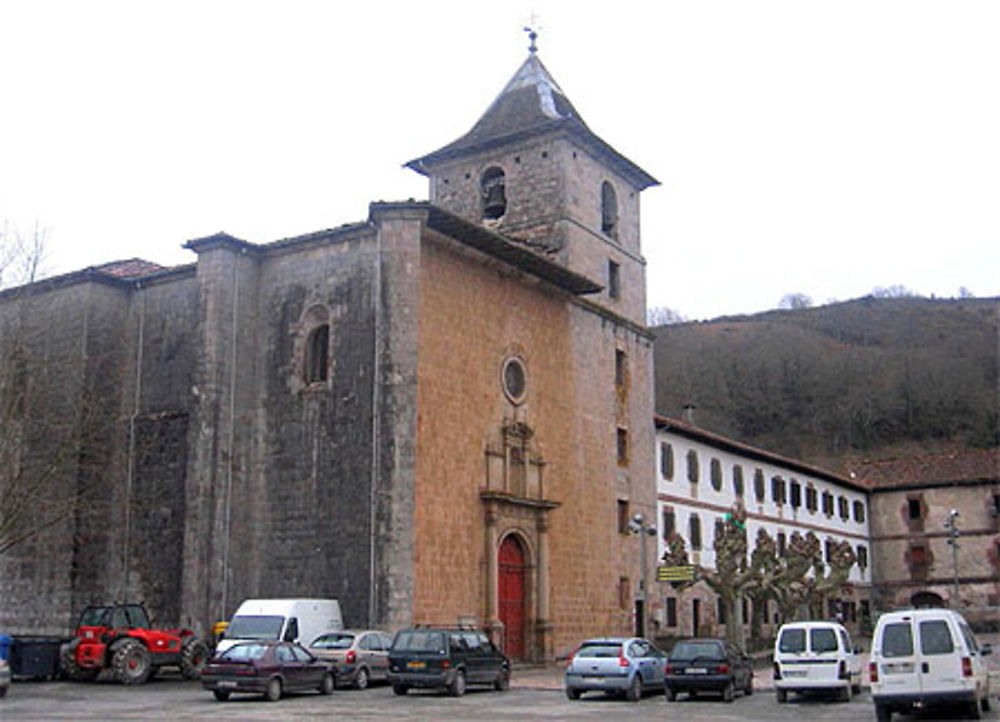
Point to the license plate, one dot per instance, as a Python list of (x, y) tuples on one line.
[(225, 684), (794, 673), (416, 665), (695, 670), (594, 680)]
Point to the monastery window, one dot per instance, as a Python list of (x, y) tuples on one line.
[(862, 557), (811, 500), (738, 480), (494, 194), (918, 556), (719, 529), (614, 280), (621, 370), (913, 508), (622, 447), (623, 517), (777, 490), (828, 503), (781, 544), (843, 507), (317, 361), (859, 512), (667, 460), (671, 611), (694, 531), (669, 523), (514, 379), (609, 210), (692, 462), (716, 473), (758, 485), (796, 494), (828, 551)]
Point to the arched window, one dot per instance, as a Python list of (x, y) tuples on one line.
[(493, 192), (692, 464), (609, 210), (317, 362)]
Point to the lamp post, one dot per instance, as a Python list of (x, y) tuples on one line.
[(638, 525), (951, 526)]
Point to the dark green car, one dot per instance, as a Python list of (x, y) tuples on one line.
[(447, 659)]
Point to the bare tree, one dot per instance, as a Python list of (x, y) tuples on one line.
[(795, 301), (663, 316), (21, 256)]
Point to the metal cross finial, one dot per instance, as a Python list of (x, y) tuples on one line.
[(532, 35)]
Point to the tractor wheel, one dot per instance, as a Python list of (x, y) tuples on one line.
[(194, 653), (130, 661), (67, 659)]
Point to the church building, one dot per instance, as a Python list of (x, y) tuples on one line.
[(440, 413)]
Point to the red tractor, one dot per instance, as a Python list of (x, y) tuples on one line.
[(118, 638)]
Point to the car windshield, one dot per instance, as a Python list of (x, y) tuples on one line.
[(334, 641), (594, 650), (93, 617), (255, 627), (792, 641), (697, 650), (419, 641), (244, 652)]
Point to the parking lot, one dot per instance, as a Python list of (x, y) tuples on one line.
[(533, 695)]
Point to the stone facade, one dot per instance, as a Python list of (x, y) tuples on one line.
[(428, 415), (914, 562)]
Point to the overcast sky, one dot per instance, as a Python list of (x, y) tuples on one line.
[(825, 148)]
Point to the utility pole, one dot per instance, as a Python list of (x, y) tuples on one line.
[(951, 526)]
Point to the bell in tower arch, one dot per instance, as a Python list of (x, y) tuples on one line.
[(493, 194)]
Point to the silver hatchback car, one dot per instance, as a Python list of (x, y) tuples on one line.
[(616, 665), (360, 656)]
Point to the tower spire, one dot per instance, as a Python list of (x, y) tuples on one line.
[(532, 36)]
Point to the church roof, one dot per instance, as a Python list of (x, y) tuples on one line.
[(532, 103)]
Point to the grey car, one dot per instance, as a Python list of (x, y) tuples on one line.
[(360, 655), (627, 666)]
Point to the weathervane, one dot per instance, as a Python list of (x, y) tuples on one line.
[(532, 34)]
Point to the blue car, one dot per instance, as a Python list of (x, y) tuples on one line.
[(626, 666)]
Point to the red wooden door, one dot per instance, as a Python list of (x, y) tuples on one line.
[(510, 590)]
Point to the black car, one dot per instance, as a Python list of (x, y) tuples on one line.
[(707, 665), (446, 658)]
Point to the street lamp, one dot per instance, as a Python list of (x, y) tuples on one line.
[(951, 526), (637, 525)]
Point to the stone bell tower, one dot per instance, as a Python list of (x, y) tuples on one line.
[(533, 171)]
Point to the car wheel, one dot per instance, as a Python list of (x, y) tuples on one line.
[(326, 684), (572, 693), (457, 686), (273, 691), (669, 694), (220, 695), (502, 683), (883, 713), (728, 692), (634, 692), (130, 661), (400, 689), (361, 680), (782, 695)]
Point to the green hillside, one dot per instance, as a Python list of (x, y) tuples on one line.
[(839, 381)]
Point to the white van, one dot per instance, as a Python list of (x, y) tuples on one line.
[(925, 657), (293, 620), (814, 657)]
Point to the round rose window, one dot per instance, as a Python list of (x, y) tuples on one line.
[(515, 379)]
